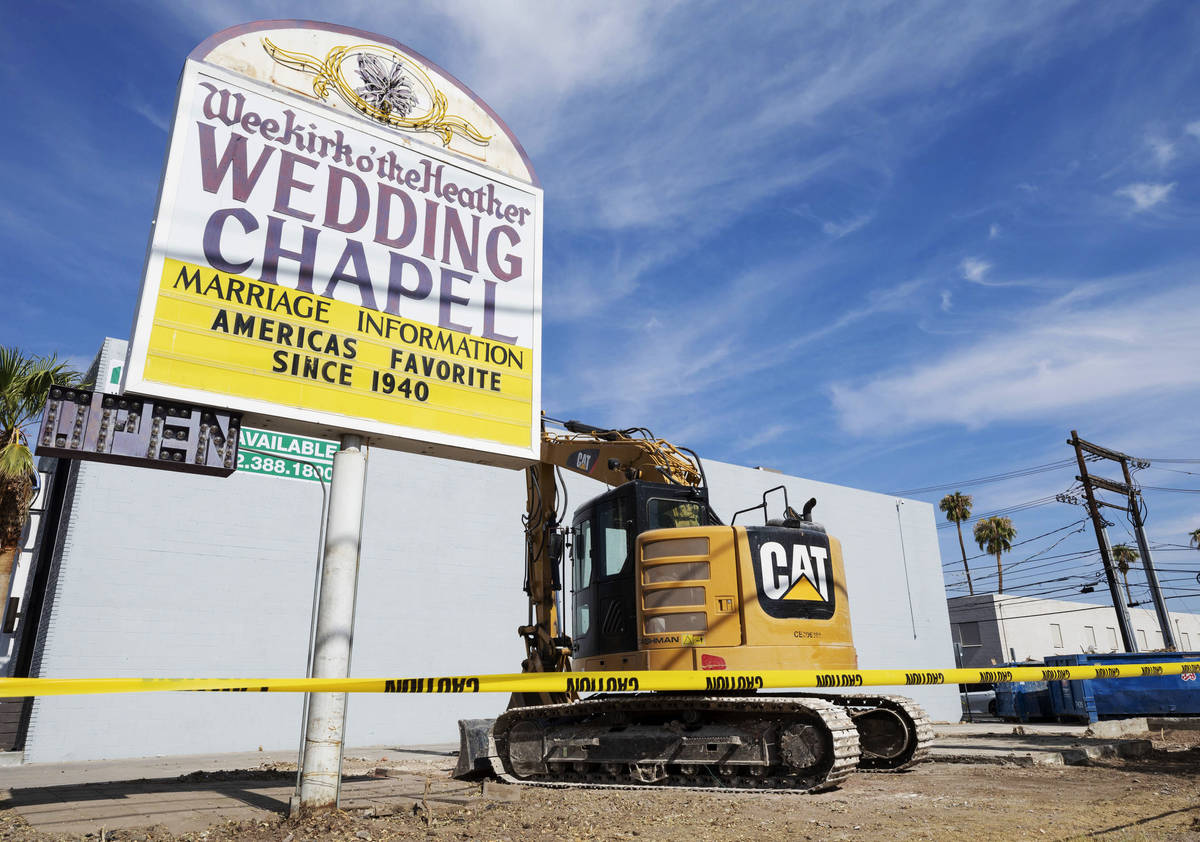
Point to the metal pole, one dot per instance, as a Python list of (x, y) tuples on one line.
[(320, 774), (1105, 551), (1160, 605), (904, 558), (350, 650), (1004, 647), (964, 693), (312, 628)]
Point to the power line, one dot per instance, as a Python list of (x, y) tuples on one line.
[(1019, 543), (1087, 573), (1038, 469), (1023, 577), (1008, 510), (1174, 470), (1061, 589), (1052, 546), (1007, 617), (1051, 561), (1019, 472)]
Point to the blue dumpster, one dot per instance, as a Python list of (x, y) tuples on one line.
[(1091, 699), (1024, 701)]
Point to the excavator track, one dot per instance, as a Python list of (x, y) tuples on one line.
[(894, 731), (753, 743)]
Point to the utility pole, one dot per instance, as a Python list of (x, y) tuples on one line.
[(1133, 509), (1160, 604), (1098, 523)]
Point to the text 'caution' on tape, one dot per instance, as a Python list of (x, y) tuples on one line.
[(594, 682)]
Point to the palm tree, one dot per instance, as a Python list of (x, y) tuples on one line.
[(24, 384), (994, 536), (1125, 556), (957, 507)]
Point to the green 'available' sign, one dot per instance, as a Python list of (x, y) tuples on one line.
[(283, 455)]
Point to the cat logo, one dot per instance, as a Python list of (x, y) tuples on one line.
[(803, 576), (794, 573), (584, 460)]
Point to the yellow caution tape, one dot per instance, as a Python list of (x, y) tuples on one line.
[(593, 682)]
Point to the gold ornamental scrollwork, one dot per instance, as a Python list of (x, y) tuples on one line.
[(395, 90)]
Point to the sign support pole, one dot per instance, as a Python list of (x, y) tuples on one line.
[(320, 769)]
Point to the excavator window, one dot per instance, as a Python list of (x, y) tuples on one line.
[(616, 525), (583, 618), (672, 514), (582, 551)]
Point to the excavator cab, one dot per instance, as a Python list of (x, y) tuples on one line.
[(660, 583), (603, 553)]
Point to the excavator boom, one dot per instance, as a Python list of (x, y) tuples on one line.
[(618, 456), (609, 456)]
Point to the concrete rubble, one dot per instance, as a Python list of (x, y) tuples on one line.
[(1040, 744)]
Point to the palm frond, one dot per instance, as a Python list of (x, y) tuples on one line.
[(957, 506), (25, 382)]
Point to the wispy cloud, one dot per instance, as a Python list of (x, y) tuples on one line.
[(878, 301), (710, 348), (1193, 128), (1061, 356), (766, 435), (1161, 149), (137, 103), (647, 367), (993, 231), (848, 226), (945, 301), (974, 269), (1145, 196)]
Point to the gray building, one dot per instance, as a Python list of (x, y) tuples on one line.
[(155, 574), (993, 628)]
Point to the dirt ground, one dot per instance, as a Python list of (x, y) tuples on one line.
[(1154, 797)]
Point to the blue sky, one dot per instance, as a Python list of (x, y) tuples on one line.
[(886, 245)]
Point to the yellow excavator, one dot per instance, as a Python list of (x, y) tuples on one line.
[(658, 582)]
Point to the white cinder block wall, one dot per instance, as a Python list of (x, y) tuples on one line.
[(167, 574)]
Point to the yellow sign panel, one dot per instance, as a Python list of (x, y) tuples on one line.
[(233, 335)]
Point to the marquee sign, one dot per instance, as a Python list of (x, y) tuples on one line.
[(347, 240)]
